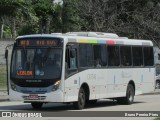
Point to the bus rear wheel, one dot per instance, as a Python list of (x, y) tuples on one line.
[(81, 100), (128, 99), (36, 105)]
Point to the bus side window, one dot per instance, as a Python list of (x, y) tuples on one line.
[(85, 55), (100, 55), (126, 58), (71, 61), (137, 56), (148, 56), (72, 58), (113, 56)]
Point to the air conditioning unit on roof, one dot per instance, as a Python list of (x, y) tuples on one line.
[(56, 33), (94, 34)]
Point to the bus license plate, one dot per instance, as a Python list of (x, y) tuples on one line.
[(33, 97)]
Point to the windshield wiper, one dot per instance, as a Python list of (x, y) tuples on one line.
[(24, 50)]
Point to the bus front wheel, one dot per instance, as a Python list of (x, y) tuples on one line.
[(128, 99), (36, 105), (81, 100)]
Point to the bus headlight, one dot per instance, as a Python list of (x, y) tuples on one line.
[(13, 86), (56, 85)]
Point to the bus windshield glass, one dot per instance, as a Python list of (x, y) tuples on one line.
[(36, 63)]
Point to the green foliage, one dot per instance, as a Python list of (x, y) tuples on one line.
[(57, 19), (27, 29), (132, 18), (150, 5), (70, 17), (3, 77), (13, 10), (7, 32), (43, 8), (13, 7), (157, 118)]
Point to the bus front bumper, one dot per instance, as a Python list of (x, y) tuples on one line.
[(56, 96)]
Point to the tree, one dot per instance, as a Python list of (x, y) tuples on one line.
[(57, 18), (94, 12), (1, 27), (44, 9), (71, 20), (133, 18), (12, 9)]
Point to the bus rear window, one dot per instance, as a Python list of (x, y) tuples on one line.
[(148, 56)]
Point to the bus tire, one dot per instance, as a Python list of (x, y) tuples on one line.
[(129, 96), (81, 100), (36, 105)]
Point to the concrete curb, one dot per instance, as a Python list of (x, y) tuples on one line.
[(157, 91), (4, 96)]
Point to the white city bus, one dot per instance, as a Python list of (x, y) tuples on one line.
[(80, 68)]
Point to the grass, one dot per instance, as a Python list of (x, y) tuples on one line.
[(157, 118), (3, 77)]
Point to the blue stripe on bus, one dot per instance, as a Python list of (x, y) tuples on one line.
[(101, 41)]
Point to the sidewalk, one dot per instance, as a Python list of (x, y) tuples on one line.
[(4, 95), (156, 91)]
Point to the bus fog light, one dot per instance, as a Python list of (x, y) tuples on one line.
[(13, 86), (56, 85)]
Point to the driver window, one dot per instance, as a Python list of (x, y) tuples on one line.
[(71, 60)]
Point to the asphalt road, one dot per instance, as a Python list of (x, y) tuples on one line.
[(141, 103)]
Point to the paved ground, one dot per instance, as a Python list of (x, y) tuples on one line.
[(4, 94), (142, 103)]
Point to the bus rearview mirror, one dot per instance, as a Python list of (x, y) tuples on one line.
[(72, 53), (6, 54)]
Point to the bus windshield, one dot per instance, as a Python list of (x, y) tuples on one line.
[(36, 63)]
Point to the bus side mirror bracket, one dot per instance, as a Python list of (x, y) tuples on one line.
[(72, 53), (6, 53)]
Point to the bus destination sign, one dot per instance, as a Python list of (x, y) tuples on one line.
[(38, 42)]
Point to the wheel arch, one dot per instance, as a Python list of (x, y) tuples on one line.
[(131, 82), (85, 86)]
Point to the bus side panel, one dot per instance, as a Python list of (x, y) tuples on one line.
[(109, 83), (73, 83), (71, 89), (116, 82), (148, 80), (102, 83)]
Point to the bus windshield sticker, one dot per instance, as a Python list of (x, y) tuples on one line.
[(20, 67), (24, 73)]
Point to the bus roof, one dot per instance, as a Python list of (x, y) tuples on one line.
[(93, 37)]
